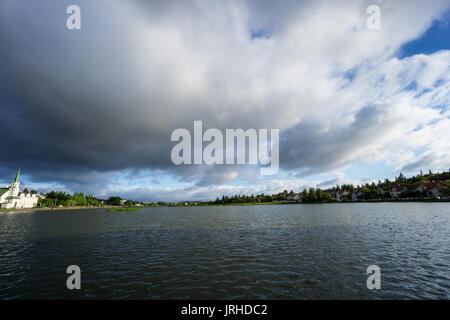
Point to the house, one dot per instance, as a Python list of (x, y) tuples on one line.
[(12, 198), (432, 188), (397, 191), (341, 193), (295, 197)]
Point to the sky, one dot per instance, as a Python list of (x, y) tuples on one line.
[(92, 110)]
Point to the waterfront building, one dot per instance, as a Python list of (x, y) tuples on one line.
[(12, 198), (295, 197), (431, 188), (397, 191)]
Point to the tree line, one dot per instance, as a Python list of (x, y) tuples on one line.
[(368, 191), (57, 199)]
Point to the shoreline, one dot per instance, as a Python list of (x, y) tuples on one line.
[(21, 210), (325, 202), (54, 209)]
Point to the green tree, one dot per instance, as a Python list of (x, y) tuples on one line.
[(114, 201), (445, 191)]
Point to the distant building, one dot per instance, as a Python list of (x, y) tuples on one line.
[(432, 188), (397, 191), (356, 195), (12, 198), (340, 194), (294, 197)]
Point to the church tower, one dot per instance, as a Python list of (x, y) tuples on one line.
[(14, 190)]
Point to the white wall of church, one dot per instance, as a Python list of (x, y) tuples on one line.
[(28, 200), (22, 201)]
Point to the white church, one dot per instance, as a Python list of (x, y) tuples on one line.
[(12, 198)]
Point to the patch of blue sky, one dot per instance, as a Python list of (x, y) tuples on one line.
[(436, 38), (439, 83), (348, 76), (422, 92), (351, 74), (432, 122), (412, 86), (364, 171), (418, 152), (419, 127), (260, 33), (442, 108)]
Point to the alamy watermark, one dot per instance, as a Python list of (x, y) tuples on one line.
[(73, 21), (74, 280), (235, 147), (373, 21), (374, 280)]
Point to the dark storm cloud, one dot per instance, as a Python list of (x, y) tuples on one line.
[(76, 101), (309, 146), (71, 101)]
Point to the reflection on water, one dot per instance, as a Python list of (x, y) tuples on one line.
[(248, 252)]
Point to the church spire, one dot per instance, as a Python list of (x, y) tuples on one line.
[(17, 176)]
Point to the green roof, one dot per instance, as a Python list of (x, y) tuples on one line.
[(3, 191), (12, 197), (17, 176)]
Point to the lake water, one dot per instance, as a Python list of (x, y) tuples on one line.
[(244, 252)]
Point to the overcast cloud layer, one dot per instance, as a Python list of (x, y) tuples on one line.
[(93, 109)]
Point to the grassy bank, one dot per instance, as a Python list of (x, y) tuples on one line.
[(51, 209), (124, 209)]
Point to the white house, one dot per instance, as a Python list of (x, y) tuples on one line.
[(294, 197), (10, 197)]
